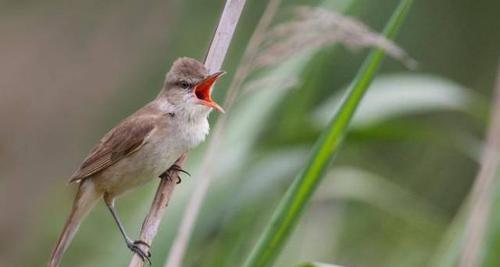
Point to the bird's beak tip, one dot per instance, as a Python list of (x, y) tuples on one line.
[(203, 91)]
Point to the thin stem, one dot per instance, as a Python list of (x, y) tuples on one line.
[(215, 57), (482, 192), (181, 241), (153, 219)]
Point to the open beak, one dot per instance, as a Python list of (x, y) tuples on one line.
[(203, 91)]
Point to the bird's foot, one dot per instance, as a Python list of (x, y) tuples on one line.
[(176, 168), (134, 247), (166, 175)]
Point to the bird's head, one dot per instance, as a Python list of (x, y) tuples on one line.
[(188, 84)]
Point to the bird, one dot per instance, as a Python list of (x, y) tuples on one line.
[(143, 146)]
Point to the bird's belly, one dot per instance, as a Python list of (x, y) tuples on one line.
[(160, 152), (146, 164)]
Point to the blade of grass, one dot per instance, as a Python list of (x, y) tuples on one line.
[(292, 204)]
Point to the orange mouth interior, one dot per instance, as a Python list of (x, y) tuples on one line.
[(203, 91)]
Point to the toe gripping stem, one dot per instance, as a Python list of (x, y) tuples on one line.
[(134, 247), (174, 168)]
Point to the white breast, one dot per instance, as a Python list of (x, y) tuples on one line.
[(193, 133), (175, 136), (178, 137)]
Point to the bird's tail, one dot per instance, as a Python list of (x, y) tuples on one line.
[(85, 200)]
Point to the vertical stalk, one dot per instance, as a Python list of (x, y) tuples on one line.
[(213, 61), (183, 236), (482, 193)]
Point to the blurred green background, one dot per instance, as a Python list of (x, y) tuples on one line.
[(71, 70)]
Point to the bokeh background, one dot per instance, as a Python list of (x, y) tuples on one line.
[(71, 70)]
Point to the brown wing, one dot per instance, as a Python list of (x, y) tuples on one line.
[(123, 140)]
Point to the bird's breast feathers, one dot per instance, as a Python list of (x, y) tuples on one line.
[(194, 132)]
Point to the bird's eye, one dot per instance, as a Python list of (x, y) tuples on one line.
[(184, 84)]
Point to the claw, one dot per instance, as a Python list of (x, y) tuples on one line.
[(177, 168), (133, 246), (142, 243)]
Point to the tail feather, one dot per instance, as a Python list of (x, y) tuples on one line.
[(85, 200)]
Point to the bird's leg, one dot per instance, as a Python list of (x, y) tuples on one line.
[(132, 245), (176, 168)]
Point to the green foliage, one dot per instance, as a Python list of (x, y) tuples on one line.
[(291, 206), (392, 198)]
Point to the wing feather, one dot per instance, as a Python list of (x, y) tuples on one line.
[(123, 140)]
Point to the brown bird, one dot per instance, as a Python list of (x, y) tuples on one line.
[(142, 147)]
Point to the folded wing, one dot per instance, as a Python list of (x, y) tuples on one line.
[(123, 140)]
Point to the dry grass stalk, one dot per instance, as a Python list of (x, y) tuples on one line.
[(316, 27), (152, 221), (270, 81), (482, 193), (215, 57), (181, 241)]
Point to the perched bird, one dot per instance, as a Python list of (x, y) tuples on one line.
[(142, 147)]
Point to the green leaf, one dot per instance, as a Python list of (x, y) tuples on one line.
[(291, 206), (401, 95)]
